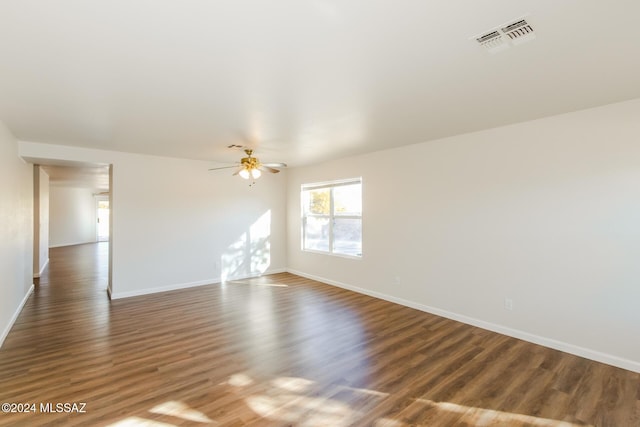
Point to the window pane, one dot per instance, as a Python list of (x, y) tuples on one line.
[(316, 234), (347, 200), (317, 201), (347, 236)]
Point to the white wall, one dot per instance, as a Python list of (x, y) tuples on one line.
[(16, 231), (174, 224), (546, 213), (72, 216), (41, 220)]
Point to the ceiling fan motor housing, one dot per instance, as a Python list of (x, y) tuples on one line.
[(250, 162)]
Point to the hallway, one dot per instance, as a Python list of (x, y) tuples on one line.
[(79, 269)]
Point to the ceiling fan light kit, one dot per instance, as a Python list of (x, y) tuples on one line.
[(250, 167), (244, 173)]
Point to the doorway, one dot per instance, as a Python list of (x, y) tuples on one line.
[(102, 219), (80, 208)]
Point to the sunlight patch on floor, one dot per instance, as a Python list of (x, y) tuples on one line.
[(139, 422), (180, 410), (171, 408), (306, 403), (304, 411), (292, 384), (489, 417), (292, 400), (239, 380), (365, 391)]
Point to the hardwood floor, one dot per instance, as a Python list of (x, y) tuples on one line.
[(282, 350)]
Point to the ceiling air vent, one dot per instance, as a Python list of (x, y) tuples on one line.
[(519, 32), (492, 41), (510, 34)]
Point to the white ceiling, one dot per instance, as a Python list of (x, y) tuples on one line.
[(300, 80)]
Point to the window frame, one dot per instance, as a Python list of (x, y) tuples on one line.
[(331, 216)]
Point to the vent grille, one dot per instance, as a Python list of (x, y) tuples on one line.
[(493, 41), (519, 31), (500, 38), (489, 37)]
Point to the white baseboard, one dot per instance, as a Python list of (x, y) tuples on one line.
[(211, 281), (146, 291), (252, 276), (16, 314), (38, 274), (587, 353), (71, 244)]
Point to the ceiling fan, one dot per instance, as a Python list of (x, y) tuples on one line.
[(251, 167)]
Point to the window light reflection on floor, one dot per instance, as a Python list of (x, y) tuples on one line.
[(180, 410), (293, 400), (171, 408), (139, 422), (482, 416)]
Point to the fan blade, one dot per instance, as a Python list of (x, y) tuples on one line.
[(237, 172), (275, 165), (223, 167), (268, 169)]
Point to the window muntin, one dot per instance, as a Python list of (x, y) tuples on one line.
[(332, 217)]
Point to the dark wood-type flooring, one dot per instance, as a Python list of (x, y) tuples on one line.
[(283, 351)]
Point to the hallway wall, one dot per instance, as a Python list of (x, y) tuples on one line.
[(72, 216), (41, 220), (16, 231)]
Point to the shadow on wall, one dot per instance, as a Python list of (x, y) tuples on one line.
[(250, 253)]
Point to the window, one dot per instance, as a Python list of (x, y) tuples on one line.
[(332, 217)]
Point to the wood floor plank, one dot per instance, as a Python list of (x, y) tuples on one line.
[(282, 350)]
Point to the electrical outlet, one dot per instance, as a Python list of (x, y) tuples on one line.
[(396, 280), (508, 304)]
